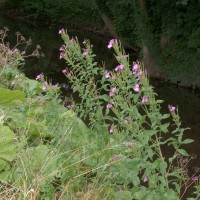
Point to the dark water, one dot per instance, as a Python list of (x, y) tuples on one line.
[(48, 38)]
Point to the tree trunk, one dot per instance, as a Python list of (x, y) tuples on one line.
[(148, 59), (110, 27)]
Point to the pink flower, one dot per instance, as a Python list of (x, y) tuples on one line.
[(39, 76), (109, 105), (137, 88), (119, 68), (54, 87), (64, 71), (111, 43), (73, 41), (135, 68), (120, 190), (145, 179), (85, 52), (139, 73), (62, 48), (112, 91), (67, 72), (61, 55), (70, 106), (145, 99), (44, 87), (15, 50), (195, 178), (107, 74), (111, 129), (128, 144), (171, 108), (38, 97), (125, 121), (61, 31)]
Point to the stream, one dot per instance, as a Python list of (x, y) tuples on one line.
[(47, 37)]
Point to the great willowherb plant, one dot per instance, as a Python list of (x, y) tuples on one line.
[(122, 107), (47, 152)]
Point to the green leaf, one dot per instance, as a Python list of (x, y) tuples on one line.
[(171, 195), (77, 128), (124, 195), (164, 127), (163, 167), (105, 97), (165, 116), (11, 98), (45, 165), (183, 152), (99, 114), (141, 194), (159, 101), (7, 144), (187, 141), (36, 129), (31, 87), (109, 118)]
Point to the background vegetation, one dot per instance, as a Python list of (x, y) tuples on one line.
[(169, 29)]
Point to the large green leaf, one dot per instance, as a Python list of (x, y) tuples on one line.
[(124, 195), (39, 163), (78, 132), (7, 144), (11, 98), (47, 163), (77, 125), (31, 87)]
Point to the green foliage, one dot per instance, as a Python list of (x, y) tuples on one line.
[(122, 15), (172, 38), (11, 98), (170, 30), (51, 152), (7, 144), (50, 10)]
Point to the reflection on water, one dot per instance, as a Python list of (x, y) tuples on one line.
[(189, 109), (48, 38), (188, 105)]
